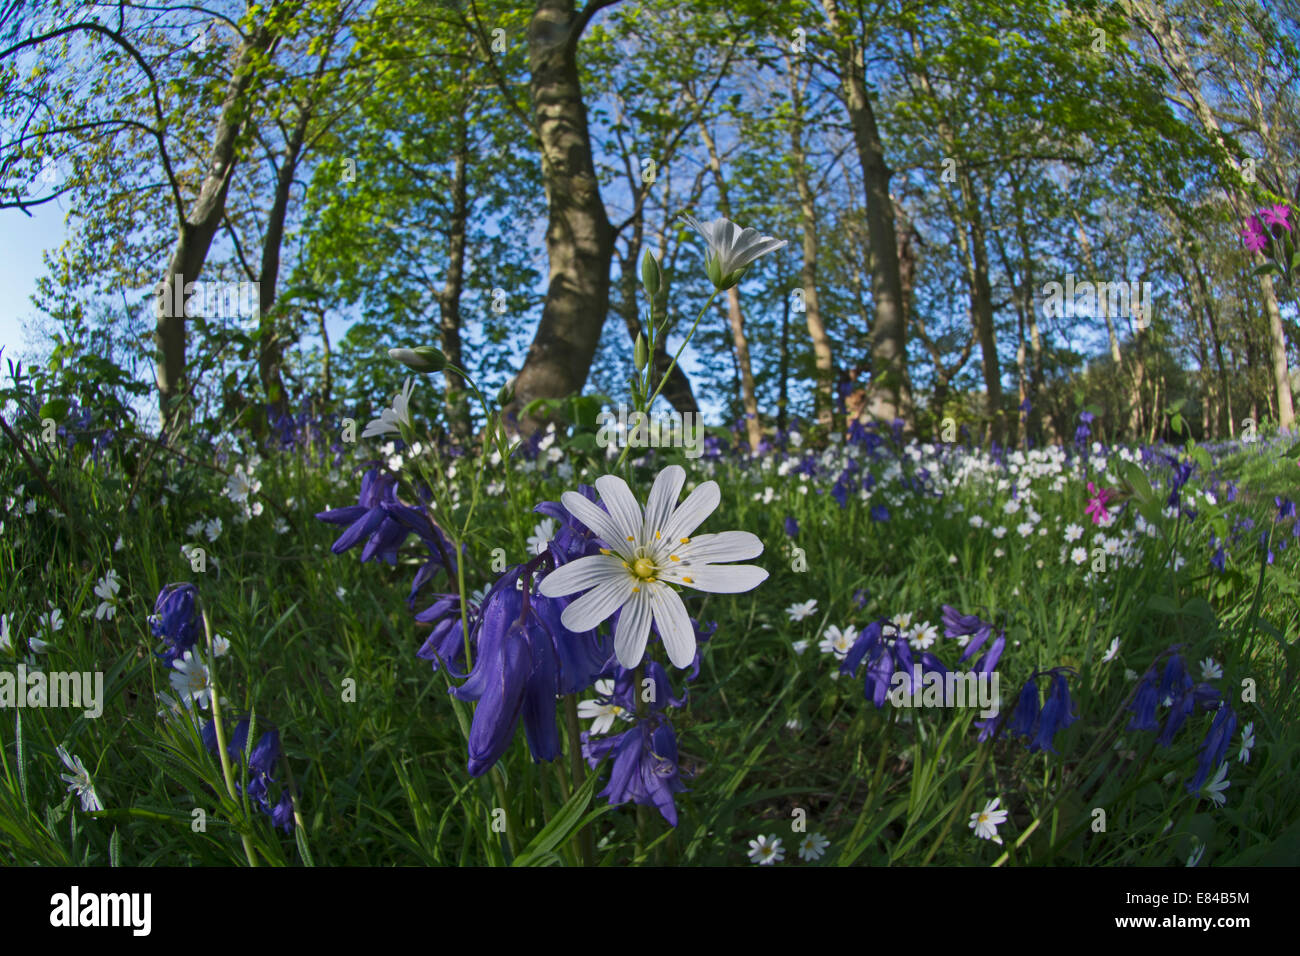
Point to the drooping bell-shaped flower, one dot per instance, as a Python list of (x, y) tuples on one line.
[(525, 659), (175, 621), (644, 770)]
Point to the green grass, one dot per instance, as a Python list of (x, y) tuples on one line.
[(380, 774)]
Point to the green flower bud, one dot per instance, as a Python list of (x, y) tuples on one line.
[(506, 394), (640, 353), (650, 274), (423, 359)]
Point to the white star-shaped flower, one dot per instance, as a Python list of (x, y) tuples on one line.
[(813, 846), (766, 850), (1214, 789), (797, 612), (106, 589), (191, 680), (986, 822), (240, 484), (646, 553), (838, 642), (79, 781), (604, 714), (390, 419), (542, 534), (732, 249)]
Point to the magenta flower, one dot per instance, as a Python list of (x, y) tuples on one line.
[(1277, 216), (1254, 236), (1098, 498)]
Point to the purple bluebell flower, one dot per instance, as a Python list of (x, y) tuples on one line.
[(1215, 746), (1179, 711), (1144, 703), (791, 527), (282, 812), (1175, 680), (988, 661), (1219, 560), (879, 513), (884, 657), (645, 765), (368, 520), (262, 762), (402, 519), (525, 659), (175, 621), (840, 492), (1055, 716), (445, 644), (860, 597), (1025, 716)]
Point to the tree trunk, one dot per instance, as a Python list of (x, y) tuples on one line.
[(579, 237), (270, 352), (1277, 339), (197, 229), (982, 308), (824, 396), (1172, 51), (890, 393)]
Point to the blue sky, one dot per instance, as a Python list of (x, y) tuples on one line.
[(23, 241)]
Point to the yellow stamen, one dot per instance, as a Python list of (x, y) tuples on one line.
[(688, 580), (604, 550), (658, 536), (629, 537), (673, 557), (686, 540), (636, 590)]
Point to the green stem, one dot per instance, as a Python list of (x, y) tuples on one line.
[(671, 365), (961, 803), (221, 736), (586, 842)]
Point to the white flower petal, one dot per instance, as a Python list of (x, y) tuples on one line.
[(598, 521), (633, 629), (699, 504), (674, 624), (724, 546), (623, 508), (581, 574), (596, 605), (663, 497), (717, 578)]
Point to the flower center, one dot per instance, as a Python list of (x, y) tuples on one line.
[(644, 568)]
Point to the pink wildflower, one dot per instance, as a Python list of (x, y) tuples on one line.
[(1254, 236), (1277, 216), (1097, 501)]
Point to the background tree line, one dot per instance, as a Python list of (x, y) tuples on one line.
[(485, 177)]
